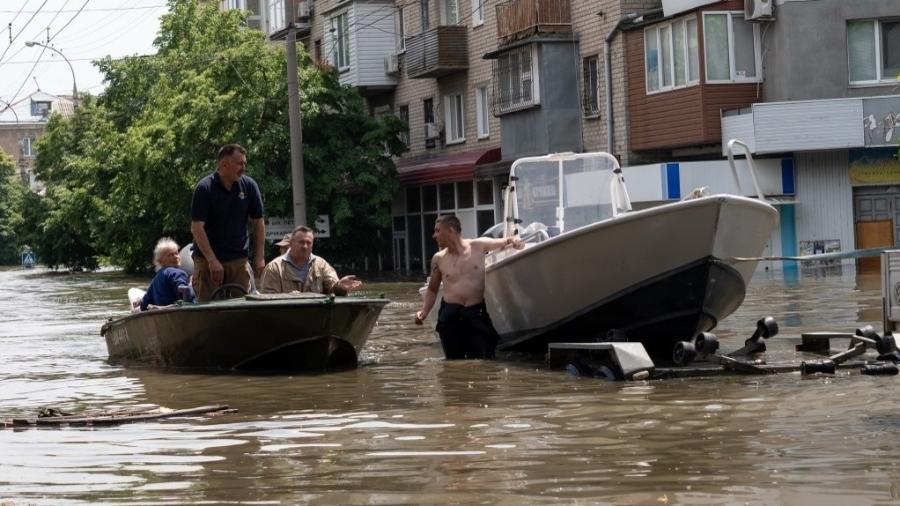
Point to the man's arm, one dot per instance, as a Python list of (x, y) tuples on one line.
[(216, 271), (430, 297), (490, 244), (259, 238), (271, 279)]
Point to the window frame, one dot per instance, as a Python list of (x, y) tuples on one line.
[(341, 32), (587, 90), (400, 20), (403, 115), (445, 11), (451, 101), (477, 12), (880, 79), (27, 144), (482, 118), (757, 56), (503, 106), (424, 14), (686, 48)]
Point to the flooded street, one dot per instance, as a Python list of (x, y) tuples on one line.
[(409, 428)]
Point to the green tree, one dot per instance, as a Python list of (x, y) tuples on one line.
[(126, 164), (11, 192)]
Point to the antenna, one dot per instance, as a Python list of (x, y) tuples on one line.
[(36, 83)]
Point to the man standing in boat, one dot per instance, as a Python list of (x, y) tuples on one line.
[(222, 204), (463, 322), (299, 270)]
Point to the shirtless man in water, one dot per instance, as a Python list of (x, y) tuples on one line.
[(463, 323)]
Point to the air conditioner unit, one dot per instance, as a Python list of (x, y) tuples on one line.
[(303, 8), (392, 64), (431, 131), (759, 10)]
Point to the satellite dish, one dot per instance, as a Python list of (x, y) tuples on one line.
[(187, 263)]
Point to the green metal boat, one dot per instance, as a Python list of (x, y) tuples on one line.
[(271, 332)]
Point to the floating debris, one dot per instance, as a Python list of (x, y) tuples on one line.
[(52, 417)]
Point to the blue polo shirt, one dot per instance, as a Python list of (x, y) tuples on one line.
[(225, 214)]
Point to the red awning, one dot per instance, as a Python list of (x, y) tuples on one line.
[(453, 167)]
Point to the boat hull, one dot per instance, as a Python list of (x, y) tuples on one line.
[(659, 275), (247, 335)]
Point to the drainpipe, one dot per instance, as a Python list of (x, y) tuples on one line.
[(631, 17)]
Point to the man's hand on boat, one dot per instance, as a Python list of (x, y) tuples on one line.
[(349, 283)]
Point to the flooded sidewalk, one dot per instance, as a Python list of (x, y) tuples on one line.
[(408, 427)]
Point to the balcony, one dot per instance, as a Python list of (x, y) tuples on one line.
[(437, 52), (518, 19)]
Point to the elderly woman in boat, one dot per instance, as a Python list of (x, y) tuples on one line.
[(299, 270), (171, 283)]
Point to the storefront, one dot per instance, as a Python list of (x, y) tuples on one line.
[(436, 186)]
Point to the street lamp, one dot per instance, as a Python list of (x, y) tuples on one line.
[(32, 43)]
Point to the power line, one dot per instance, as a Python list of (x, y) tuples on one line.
[(13, 20), (69, 22), (22, 30), (107, 9), (56, 15), (16, 95)]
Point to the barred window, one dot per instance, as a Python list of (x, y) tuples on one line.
[(590, 85), (515, 80)]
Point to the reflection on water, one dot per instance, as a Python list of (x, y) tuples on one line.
[(410, 428)]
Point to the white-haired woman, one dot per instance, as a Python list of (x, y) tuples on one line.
[(170, 281)]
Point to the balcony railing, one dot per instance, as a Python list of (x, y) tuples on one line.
[(522, 18), (437, 52)]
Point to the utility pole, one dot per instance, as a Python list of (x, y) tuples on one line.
[(298, 181)]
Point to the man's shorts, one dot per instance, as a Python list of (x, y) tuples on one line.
[(237, 271)]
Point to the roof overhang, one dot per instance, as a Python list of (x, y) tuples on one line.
[(452, 167), (673, 7)]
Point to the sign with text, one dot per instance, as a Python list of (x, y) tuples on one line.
[(276, 227)]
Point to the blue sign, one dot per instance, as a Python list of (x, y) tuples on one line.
[(28, 259)]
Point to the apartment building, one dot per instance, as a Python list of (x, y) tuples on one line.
[(479, 82), (809, 86), (22, 123)]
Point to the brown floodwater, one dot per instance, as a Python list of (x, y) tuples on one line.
[(407, 427)]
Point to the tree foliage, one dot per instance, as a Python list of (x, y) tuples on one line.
[(11, 193), (121, 171)]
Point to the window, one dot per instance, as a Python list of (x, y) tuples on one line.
[(516, 84), (732, 48), (403, 114), (590, 80), (449, 12), (40, 108), (28, 147), (428, 119), (340, 42), (464, 195), (423, 14), (453, 113), (401, 30), (447, 195), (477, 12), (671, 55), (481, 112), (429, 199), (873, 49), (317, 50), (275, 19)]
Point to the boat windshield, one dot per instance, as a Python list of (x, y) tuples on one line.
[(559, 193)]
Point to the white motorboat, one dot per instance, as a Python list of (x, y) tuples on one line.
[(591, 265)]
